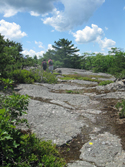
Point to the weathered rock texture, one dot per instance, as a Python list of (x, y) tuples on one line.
[(56, 115)]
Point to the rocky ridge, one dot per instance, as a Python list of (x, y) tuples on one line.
[(84, 124)]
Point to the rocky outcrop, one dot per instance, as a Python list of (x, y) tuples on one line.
[(55, 115)]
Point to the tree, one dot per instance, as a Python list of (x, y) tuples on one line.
[(10, 55), (65, 49)]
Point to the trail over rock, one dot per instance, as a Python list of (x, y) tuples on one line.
[(84, 123)]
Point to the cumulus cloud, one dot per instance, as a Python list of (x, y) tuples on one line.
[(34, 13), (40, 44), (106, 43), (32, 53), (11, 30), (106, 28), (11, 7), (94, 34), (75, 13), (88, 34), (50, 47)]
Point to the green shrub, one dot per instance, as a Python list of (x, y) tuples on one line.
[(121, 107), (6, 83), (22, 76), (18, 149), (69, 91), (105, 82), (72, 91), (79, 77), (49, 78), (34, 75), (88, 79)]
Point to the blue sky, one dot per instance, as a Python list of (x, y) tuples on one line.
[(91, 25)]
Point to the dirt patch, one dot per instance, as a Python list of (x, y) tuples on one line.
[(108, 120), (71, 150)]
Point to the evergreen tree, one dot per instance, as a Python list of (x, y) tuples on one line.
[(64, 50)]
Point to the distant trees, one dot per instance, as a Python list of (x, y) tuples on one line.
[(113, 62), (11, 57), (63, 54)]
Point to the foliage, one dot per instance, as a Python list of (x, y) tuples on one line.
[(69, 91), (79, 77), (105, 82), (22, 76), (49, 78), (6, 83), (19, 149), (63, 54), (121, 107), (25, 76), (72, 91), (112, 63)]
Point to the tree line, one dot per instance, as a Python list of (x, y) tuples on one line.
[(63, 54)]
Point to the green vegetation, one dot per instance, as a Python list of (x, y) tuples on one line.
[(49, 78), (64, 54), (21, 149), (76, 76), (105, 82), (72, 91), (121, 107), (89, 78), (69, 91)]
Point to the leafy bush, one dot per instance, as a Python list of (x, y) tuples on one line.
[(72, 91), (22, 76), (16, 148), (69, 91), (105, 82), (121, 107), (6, 83), (34, 75), (49, 78), (77, 76)]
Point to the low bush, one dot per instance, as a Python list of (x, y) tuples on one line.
[(121, 107), (72, 91), (79, 77), (34, 75), (69, 91), (47, 77), (22, 76), (105, 82), (19, 149), (6, 83)]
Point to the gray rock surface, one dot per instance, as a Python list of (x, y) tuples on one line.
[(42, 92), (81, 164), (103, 151), (52, 122), (84, 73), (61, 116)]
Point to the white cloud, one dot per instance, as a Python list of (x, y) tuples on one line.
[(40, 44), (32, 53), (106, 28), (88, 34), (11, 30), (94, 34), (106, 43), (75, 13), (124, 8), (34, 13), (11, 7), (50, 47)]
